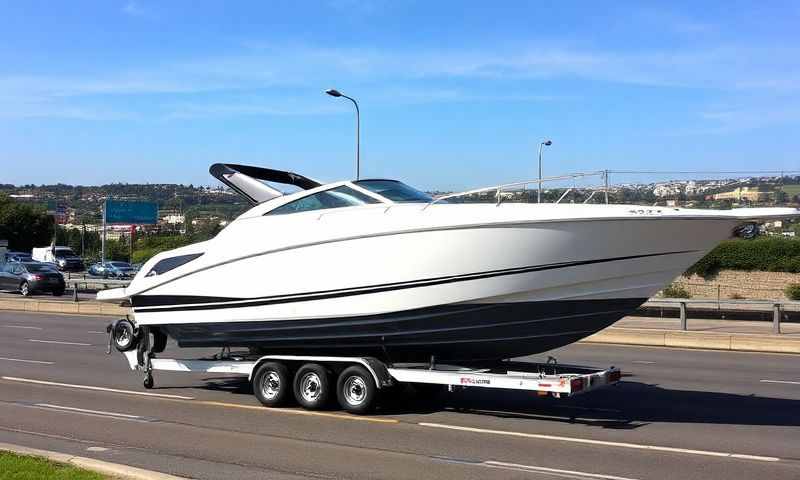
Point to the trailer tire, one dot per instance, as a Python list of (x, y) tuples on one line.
[(312, 386), (356, 390), (272, 384)]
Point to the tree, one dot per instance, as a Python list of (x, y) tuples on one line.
[(24, 226)]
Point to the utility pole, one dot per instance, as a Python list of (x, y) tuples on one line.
[(336, 93), (539, 191), (103, 236)]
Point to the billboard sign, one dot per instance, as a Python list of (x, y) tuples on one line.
[(58, 210), (137, 213)]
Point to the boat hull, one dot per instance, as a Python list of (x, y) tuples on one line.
[(462, 292), (464, 333)]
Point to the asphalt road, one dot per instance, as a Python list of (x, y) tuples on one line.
[(678, 414)]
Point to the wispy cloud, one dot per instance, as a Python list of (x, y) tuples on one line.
[(135, 9), (294, 69)]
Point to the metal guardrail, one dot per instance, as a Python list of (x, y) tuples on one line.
[(681, 303), (103, 284)]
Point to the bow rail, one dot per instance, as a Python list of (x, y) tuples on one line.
[(509, 186)]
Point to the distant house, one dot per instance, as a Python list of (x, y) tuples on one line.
[(751, 194)]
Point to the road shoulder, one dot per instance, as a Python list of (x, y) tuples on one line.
[(114, 470)]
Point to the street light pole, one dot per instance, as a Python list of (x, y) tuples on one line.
[(539, 191), (336, 93)]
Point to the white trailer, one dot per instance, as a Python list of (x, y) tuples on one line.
[(357, 382)]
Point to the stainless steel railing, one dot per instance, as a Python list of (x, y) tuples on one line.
[(498, 189)]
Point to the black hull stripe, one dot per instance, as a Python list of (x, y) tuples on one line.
[(172, 303), (449, 332)]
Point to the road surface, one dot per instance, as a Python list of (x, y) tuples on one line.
[(677, 414)]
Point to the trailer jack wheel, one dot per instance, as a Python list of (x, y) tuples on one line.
[(148, 381)]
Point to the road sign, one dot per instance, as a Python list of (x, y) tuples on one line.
[(137, 213)]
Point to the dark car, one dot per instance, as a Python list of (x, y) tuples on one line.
[(67, 261), (112, 270), (30, 277), (18, 257)]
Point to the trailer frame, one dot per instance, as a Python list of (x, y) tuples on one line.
[(543, 379)]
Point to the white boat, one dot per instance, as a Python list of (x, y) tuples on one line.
[(374, 267)]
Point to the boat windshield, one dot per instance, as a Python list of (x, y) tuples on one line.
[(338, 197), (395, 191)]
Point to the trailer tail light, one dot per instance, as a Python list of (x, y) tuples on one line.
[(614, 376), (576, 384)]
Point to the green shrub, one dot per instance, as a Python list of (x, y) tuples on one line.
[(771, 254), (147, 247), (792, 291), (673, 290)]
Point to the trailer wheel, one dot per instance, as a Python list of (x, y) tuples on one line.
[(123, 335), (271, 384), (312, 386), (356, 390)]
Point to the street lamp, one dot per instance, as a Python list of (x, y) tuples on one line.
[(545, 143), (336, 93)]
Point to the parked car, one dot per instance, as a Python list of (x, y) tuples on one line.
[(112, 270), (18, 257), (30, 277), (63, 257)]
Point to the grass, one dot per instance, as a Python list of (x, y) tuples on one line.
[(20, 467), (791, 190)]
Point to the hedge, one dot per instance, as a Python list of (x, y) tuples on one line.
[(793, 291), (772, 254)]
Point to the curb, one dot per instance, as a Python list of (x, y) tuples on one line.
[(739, 342), (115, 470), (49, 306)]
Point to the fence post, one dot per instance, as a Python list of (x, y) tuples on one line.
[(776, 319), (683, 316), (74, 291)]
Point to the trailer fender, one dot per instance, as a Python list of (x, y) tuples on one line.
[(378, 370)]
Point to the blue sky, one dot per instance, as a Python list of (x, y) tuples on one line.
[(452, 94)]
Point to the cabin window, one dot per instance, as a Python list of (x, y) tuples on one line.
[(338, 197), (395, 191), (171, 263)]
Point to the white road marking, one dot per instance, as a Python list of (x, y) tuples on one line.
[(20, 326), (26, 361), (601, 442), (61, 343), (780, 381), (643, 362), (83, 410), (89, 387), (100, 333), (555, 471), (97, 449)]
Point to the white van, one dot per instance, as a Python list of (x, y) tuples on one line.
[(63, 257)]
